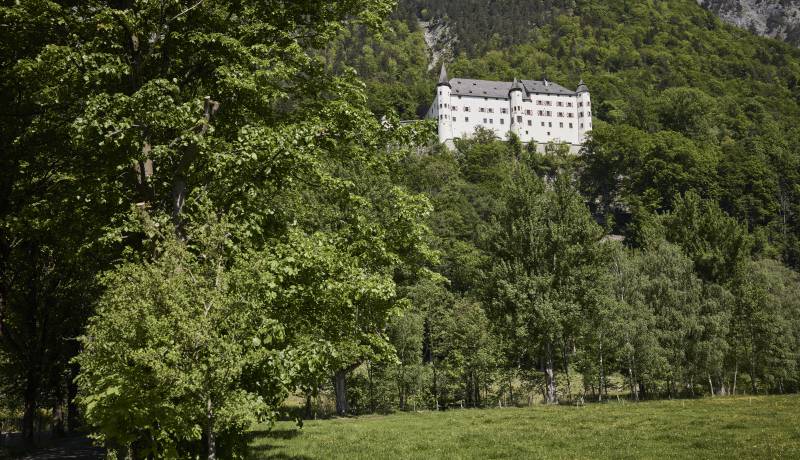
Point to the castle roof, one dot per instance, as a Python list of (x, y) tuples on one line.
[(500, 89), (516, 86), (582, 88), (443, 80)]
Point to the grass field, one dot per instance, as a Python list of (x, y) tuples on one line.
[(741, 427)]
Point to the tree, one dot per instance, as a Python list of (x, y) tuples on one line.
[(179, 351), (164, 117), (546, 255)]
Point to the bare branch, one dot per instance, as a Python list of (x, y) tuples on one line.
[(185, 11)]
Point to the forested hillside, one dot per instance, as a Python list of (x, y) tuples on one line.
[(208, 208), (693, 162), (714, 103)]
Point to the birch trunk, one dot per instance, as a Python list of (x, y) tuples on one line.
[(210, 435), (551, 396)]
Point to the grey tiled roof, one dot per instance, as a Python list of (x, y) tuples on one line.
[(536, 86), (499, 89), (479, 88)]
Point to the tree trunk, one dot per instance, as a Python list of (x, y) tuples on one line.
[(59, 417), (340, 387), (752, 361), (735, 375), (711, 385), (72, 393), (565, 357), (601, 384), (210, 435), (30, 405), (634, 388), (371, 387), (401, 387), (308, 414), (551, 396)]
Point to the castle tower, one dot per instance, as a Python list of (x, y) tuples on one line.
[(444, 108), (585, 108), (515, 95)]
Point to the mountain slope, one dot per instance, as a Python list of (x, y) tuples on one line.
[(771, 18)]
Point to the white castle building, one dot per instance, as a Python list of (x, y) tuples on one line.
[(536, 111)]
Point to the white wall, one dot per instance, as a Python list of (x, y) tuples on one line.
[(465, 115)]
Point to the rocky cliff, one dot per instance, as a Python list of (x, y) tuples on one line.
[(772, 18)]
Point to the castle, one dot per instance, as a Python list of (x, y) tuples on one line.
[(536, 111)]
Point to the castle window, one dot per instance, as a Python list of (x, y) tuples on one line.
[(561, 125), (570, 115), (561, 114), (503, 110), (569, 104), (530, 123), (440, 105), (560, 104), (484, 121), (519, 119), (491, 110), (549, 113), (541, 113), (581, 125), (588, 114), (548, 133), (570, 125), (491, 121), (526, 132), (549, 124), (528, 112), (580, 104), (466, 118), (466, 109), (502, 122), (542, 124), (538, 102), (482, 109), (580, 114)]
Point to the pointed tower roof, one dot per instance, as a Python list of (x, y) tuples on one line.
[(443, 80), (516, 86), (582, 88)]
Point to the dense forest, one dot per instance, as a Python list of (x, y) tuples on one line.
[(208, 209)]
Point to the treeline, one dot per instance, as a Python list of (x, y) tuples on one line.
[(539, 300)]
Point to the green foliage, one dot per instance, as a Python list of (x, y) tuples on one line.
[(179, 347)]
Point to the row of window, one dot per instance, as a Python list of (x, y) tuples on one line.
[(490, 121), (541, 113)]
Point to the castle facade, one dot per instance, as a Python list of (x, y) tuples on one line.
[(536, 111)]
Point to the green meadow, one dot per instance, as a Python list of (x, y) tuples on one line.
[(731, 427)]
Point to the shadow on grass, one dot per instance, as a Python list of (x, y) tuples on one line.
[(274, 434), (268, 451)]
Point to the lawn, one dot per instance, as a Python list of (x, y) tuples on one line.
[(740, 427)]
